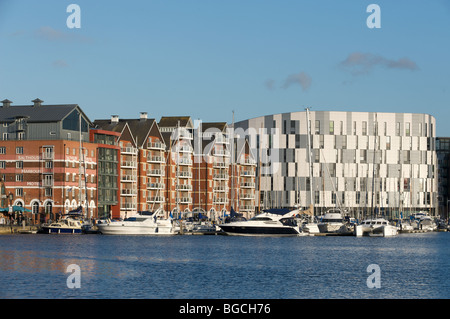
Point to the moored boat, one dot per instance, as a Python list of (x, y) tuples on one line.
[(376, 227), (140, 224), (264, 224)]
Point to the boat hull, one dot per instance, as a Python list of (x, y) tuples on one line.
[(56, 230), (259, 231), (110, 229)]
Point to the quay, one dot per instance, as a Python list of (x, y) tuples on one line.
[(18, 229)]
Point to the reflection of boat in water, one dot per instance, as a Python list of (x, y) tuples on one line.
[(375, 227), (264, 224), (140, 224), (332, 222)]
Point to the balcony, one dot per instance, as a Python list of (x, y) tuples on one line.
[(246, 208), (156, 146), (217, 164), (247, 196), (220, 139), (155, 199), (184, 174), (185, 200), (185, 149), (155, 172), (248, 173), (248, 161), (220, 177), (128, 164), (128, 192), (222, 153), (156, 159), (128, 178), (128, 206), (129, 150), (220, 189), (155, 186), (220, 200), (182, 133), (248, 185), (184, 161), (183, 187)]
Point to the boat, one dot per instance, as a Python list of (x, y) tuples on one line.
[(405, 226), (264, 224), (376, 227), (332, 222), (144, 223), (423, 221), (64, 226)]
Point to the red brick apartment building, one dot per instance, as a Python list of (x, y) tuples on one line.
[(54, 159), (44, 150)]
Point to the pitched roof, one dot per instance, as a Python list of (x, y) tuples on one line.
[(36, 114), (139, 128), (172, 121)]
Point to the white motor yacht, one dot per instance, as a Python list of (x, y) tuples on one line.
[(264, 224), (376, 227), (140, 224), (332, 222)]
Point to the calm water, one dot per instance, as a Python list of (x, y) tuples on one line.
[(197, 267)]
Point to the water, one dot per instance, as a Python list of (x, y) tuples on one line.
[(219, 267)]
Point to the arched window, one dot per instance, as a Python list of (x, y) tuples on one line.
[(35, 208), (48, 209)]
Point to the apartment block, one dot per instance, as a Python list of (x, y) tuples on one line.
[(359, 161)]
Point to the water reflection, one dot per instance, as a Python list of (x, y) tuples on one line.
[(224, 267)]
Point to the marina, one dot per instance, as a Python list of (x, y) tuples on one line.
[(413, 266)]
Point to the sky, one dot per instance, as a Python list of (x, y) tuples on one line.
[(209, 58)]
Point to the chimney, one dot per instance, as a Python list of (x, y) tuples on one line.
[(37, 102), (6, 103), (114, 118), (143, 116)]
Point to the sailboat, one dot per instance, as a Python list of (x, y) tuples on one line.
[(375, 226)]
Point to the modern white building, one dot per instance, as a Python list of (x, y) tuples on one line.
[(364, 162)]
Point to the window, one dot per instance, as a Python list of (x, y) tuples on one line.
[(317, 130), (19, 164), (364, 128), (5, 136), (48, 164), (388, 142), (21, 136), (3, 150), (408, 129), (19, 150), (397, 129), (331, 127), (19, 192), (19, 177), (2, 164), (35, 208), (354, 128), (49, 192), (321, 141)]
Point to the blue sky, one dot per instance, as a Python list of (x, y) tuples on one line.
[(207, 58)]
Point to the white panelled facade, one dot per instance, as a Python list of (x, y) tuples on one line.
[(361, 161)]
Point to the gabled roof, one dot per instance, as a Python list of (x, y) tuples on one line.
[(140, 129), (39, 114), (172, 121)]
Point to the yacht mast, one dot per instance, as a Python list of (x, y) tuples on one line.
[(308, 123)]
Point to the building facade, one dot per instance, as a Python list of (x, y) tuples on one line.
[(363, 162)]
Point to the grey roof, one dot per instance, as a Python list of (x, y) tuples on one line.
[(139, 128), (43, 113)]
